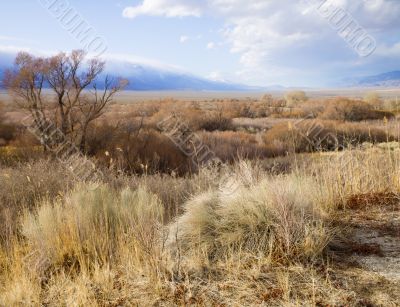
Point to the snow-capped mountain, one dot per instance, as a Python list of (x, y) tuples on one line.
[(389, 79), (144, 76)]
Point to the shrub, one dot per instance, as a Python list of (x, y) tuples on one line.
[(352, 110), (7, 133), (134, 149), (295, 98), (275, 218), (89, 225), (22, 186), (7, 130), (354, 174), (313, 108), (373, 99), (230, 145), (312, 135), (12, 156), (213, 121)]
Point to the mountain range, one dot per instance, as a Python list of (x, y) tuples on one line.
[(389, 79), (143, 76), (153, 77)]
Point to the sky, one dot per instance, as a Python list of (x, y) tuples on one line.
[(254, 42)]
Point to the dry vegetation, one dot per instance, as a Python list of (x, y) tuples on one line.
[(274, 226)]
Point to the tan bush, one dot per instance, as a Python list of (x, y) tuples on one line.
[(230, 145), (7, 130), (312, 135), (313, 108), (260, 243), (352, 110), (295, 98), (353, 173), (275, 218), (88, 226), (134, 149), (24, 185), (374, 100), (214, 121)]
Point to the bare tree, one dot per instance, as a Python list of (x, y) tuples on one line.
[(77, 101), (92, 106), (26, 83)]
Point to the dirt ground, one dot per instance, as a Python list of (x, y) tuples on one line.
[(366, 259)]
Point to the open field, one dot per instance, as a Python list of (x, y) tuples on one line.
[(207, 202), (132, 96), (200, 153)]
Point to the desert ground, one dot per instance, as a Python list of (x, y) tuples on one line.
[(207, 199)]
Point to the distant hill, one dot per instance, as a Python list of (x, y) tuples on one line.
[(6, 61), (149, 78), (146, 77), (389, 79)]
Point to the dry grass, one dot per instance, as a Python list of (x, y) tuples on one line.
[(346, 175), (88, 226), (260, 239), (256, 232), (22, 186), (276, 219)]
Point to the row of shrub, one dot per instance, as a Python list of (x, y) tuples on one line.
[(136, 149), (324, 135), (199, 114)]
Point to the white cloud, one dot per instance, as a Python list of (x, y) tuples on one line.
[(389, 51), (112, 59), (16, 39), (166, 8), (184, 39), (216, 76), (10, 49), (285, 35), (211, 45)]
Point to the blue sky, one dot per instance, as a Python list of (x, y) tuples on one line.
[(257, 42)]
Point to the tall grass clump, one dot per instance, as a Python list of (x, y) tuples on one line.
[(89, 227), (22, 186), (342, 176), (277, 218)]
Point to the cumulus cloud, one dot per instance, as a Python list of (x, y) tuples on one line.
[(286, 34), (166, 8)]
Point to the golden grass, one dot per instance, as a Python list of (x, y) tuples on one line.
[(275, 218), (246, 233), (261, 242)]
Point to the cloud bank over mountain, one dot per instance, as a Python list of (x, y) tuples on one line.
[(148, 75), (289, 40)]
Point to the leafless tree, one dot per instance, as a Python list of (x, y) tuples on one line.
[(77, 99), (92, 106), (26, 83)]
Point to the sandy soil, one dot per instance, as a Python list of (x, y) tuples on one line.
[(366, 259)]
